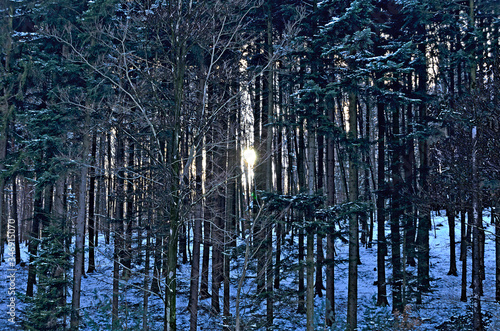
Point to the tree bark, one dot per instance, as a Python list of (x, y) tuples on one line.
[(129, 212), (145, 298), (118, 230), (311, 155), (33, 241), (330, 246), (463, 255), (453, 258), (477, 320), (80, 232), (397, 300), (381, 242), (195, 262), (424, 223), (352, 291), (15, 216), (6, 110), (496, 219), (91, 216), (302, 184)]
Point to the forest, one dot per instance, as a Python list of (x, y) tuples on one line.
[(232, 164)]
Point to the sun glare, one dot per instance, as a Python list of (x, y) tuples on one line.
[(250, 156)]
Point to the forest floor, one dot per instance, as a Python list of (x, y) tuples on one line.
[(442, 305)]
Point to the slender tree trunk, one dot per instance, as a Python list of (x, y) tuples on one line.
[(269, 99), (302, 182), (195, 272), (205, 260), (101, 198), (80, 232), (311, 155), (453, 258), (226, 281), (397, 300), (118, 231), (172, 167), (482, 243), (381, 242), (110, 189), (157, 252), (320, 258), (195, 262), (280, 180), (33, 241), (424, 224), (352, 290), (15, 216), (91, 216), (171, 279), (231, 212), (496, 219), (6, 110), (217, 256), (463, 255), (330, 246), (301, 304), (310, 282), (59, 212), (477, 320), (410, 184), (129, 212), (145, 298)]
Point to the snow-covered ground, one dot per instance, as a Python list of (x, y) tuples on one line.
[(439, 306)]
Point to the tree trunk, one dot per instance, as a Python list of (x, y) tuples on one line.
[(172, 167), (171, 279), (129, 212), (301, 302), (320, 258), (496, 219), (397, 300), (330, 246), (453, 258), (110, 189), (91, 216), (145, 298), (352, 290), (311, 155), (381, 242), (195, 261), (463, 255), (424, 224), (59, 212), (302, 184), (477, 320), (15, 216), (205, 260), (6, 110), (233, 172), (33, 241), (280, 232), (217, 256), (118, 231), (80, 232), (310, 282), (269, 122)]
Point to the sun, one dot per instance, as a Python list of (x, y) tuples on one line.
[(250, 156)]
